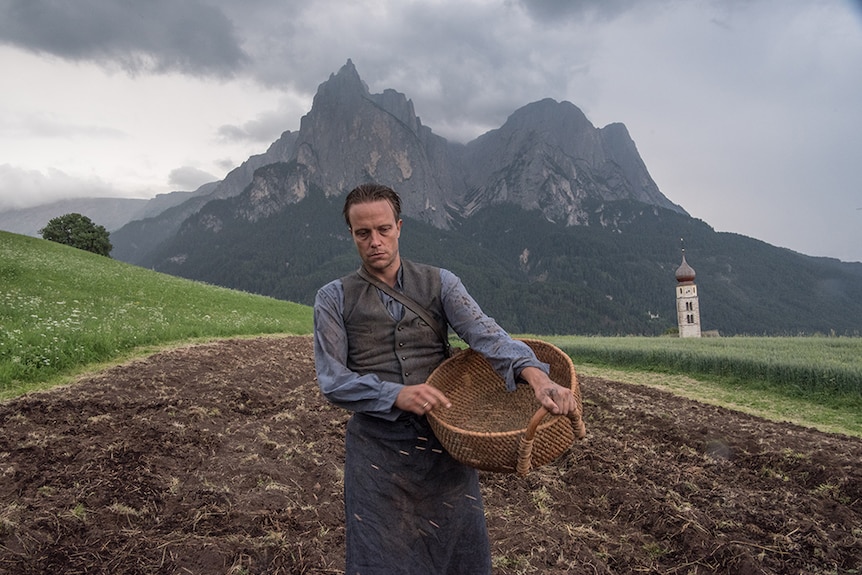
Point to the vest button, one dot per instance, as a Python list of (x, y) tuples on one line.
[(401, 344)]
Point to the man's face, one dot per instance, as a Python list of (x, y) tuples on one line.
[(375, 233)]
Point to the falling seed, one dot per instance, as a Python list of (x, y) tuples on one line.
[(447, 504), (437, 450), (375, 467), (434, 524), (402, 452), (358, 518), (470, 497), (420, 448), (420, 438)]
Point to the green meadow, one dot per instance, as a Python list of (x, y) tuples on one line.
[(811, 381), (64, 312)]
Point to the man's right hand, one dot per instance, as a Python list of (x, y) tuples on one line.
[(420, 399)]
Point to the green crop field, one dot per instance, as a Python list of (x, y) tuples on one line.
[(808, 380), (807, 365)]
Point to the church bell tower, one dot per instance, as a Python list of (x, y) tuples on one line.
[(687, 308)]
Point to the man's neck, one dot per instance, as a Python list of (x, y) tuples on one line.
[(389, 275)]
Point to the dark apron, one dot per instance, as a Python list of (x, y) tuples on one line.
[(410, 508)]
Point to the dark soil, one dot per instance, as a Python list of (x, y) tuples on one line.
[(224, 458)]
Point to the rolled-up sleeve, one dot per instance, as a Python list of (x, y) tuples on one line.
[(345, 388), (483, 334)]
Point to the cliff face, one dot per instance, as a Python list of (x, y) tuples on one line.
[(547, 157), (351, 136)]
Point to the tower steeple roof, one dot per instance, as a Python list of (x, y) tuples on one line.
[(684, 273)]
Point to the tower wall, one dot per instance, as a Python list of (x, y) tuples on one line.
[(687, 310)]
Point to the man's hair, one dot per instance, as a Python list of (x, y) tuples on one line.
[(371, 193)]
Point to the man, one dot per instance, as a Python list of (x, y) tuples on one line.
[(410, 508)]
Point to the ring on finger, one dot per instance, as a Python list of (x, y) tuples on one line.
[(425, 405)]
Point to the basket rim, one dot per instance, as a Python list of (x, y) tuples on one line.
[(550, 419)]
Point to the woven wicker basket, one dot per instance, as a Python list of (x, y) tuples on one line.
[(492, 429)]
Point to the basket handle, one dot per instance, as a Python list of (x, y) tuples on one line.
[(577, 418), (525, 447)]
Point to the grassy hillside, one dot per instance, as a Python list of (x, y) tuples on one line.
[(62, 309)]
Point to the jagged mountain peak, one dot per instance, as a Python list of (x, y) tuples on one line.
[(344, 85), (351, 136), (547, 157), (345, 94), (548, 114)]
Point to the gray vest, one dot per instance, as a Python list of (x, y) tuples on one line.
[(405, 351)]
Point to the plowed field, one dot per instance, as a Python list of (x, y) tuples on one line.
[(224, 458)]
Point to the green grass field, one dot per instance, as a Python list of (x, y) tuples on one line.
[(814, 381), (808, 366), (65, 311)]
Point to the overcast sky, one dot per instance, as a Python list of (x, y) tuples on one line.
[(748, 113)]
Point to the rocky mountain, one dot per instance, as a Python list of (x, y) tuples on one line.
[(554, 225), (547, 156)]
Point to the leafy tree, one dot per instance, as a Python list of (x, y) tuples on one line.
[(79, 232)]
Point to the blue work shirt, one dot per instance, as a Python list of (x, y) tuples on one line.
[(368, 393)]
